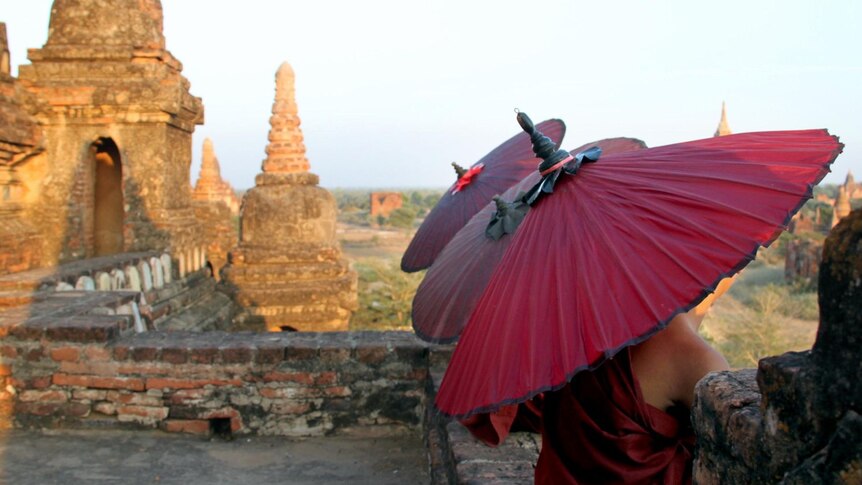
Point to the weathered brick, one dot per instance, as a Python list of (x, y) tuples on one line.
[(143, 414), (89, 394), (107, 408), (334, 355), (299, 377), (185, 396), (5, 370), (289, 407), (371, 354), (142, 354), (269, 355), (34, 355), (294, 352), (325, 378), (295, 392), (9, 351), (171, 383), (191, 426), (43, 396), (122, 352), (95, 353), (90, 368), (145, 369), (133, 398), (37, 408), (175, 355), (35, 382), (75, 410), (90, 328), (65, 354), (205, 355), (27, 332), (337, 391), (236, 355), (130, 383)]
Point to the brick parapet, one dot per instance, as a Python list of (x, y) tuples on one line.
[(293, 384)]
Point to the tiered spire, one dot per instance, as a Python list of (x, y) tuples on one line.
[(842, 203), (853, 189), (723, 126), (210, 186), (286, 150)]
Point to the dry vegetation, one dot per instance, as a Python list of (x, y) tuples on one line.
[(761, 315)]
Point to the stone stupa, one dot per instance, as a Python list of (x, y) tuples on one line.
[(210, 187), (287, 271)]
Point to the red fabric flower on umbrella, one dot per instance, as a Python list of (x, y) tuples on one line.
[(503, 167), (464, 180), (619, 249), (452, 287)]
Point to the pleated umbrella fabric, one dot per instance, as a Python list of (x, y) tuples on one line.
[(503, 167), (452, 286), (621, 248)]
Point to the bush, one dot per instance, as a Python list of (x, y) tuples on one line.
[(385, 296), (762, 321)]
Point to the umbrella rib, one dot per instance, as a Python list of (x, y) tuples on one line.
[(707, 177), (620, 261)]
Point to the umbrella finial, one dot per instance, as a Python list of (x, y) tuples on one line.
[(543, 147), (459, 169)]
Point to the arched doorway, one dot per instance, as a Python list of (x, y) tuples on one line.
[(108, 199)]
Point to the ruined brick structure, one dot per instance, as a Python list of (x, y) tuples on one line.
[(842, 205), (216, 206), (114, 119), (287, 270), (802, 260), (383, 203), (20, 141), (796, 419), (210, 187)]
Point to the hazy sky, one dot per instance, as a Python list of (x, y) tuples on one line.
[(391, 92)]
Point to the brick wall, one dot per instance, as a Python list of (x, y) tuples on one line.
[(92, 372)]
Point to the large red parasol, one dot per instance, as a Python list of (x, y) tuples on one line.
[(452, 287), (492, 175), (619, 249)]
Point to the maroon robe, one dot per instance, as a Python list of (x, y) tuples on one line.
[(598, 429), (493, 428)]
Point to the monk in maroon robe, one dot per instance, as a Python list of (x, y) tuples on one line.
[(626, 422)]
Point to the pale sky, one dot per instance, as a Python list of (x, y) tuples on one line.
[(390, 92)]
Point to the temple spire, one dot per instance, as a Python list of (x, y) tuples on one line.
[(210, 169), (723, 126), (286, 150), (210, 187)]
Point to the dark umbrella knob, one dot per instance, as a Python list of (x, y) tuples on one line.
[(543, 147), (459, 169)]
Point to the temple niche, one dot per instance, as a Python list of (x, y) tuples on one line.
[(116, 118), (287, 271), (216, 206)]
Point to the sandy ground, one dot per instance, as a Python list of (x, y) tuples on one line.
[(148, 457)]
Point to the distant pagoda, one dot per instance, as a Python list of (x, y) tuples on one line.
[(723, 127), (287, 271), (210, 187)]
